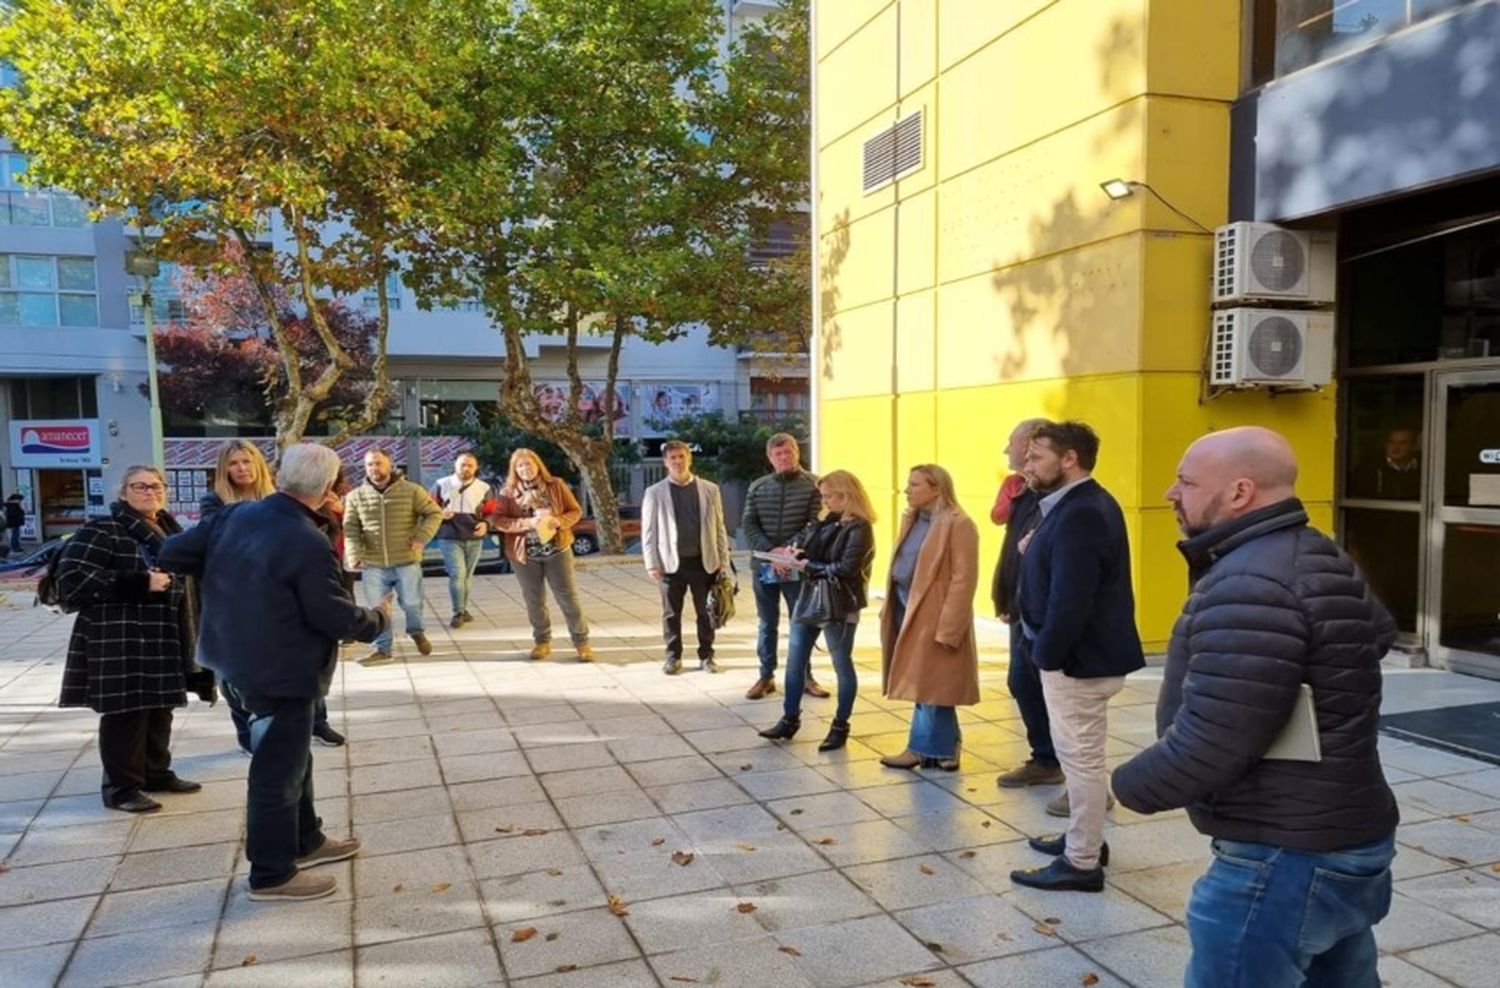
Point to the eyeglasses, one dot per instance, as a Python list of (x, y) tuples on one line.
[(147, 488)]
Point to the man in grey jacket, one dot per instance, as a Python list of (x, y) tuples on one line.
[(1302, 848), (777, 507), (684, 544), (388, 521)]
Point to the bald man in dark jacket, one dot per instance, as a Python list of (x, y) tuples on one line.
[(1302, 848)]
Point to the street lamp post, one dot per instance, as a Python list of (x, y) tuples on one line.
[(142, 264)]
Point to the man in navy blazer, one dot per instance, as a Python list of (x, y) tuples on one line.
[(1078, 627), (274, 612)]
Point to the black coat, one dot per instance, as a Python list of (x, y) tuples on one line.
[(131, 649), (1075, 593), (1023, 509), (843, 551), (274, 604), (1274, 604)]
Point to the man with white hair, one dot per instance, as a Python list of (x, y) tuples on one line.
[(274, 612), (1302, 845)]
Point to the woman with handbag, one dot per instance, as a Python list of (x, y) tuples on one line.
[(834, 554), (927, 645)]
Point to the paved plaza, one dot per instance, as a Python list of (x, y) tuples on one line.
[(559, 824)]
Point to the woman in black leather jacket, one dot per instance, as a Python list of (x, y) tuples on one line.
[(839, 547)]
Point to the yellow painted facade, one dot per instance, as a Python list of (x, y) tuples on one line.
[(998, 282)]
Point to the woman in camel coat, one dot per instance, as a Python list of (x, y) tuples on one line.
[(927, 646)]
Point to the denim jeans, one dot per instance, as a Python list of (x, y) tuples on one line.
[(1271, 917), (799, 644), (768, 600), (934, 731), (280, 823), (378, 580), (1025, 683), (240, 717), (460, 559)]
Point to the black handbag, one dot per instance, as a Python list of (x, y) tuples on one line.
[(815, 603)]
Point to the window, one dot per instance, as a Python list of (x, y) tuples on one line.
[(371, 298), (1292, 34), (42, 290), (167, 305), (54, 398), (23, 206)]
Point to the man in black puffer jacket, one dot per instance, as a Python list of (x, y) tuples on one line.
[(1302, 849)]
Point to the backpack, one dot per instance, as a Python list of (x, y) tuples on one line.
[(46, 588)]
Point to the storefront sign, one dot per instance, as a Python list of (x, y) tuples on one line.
[(55, 443), (1489, 456)]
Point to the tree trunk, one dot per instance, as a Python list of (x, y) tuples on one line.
[(593, 466)]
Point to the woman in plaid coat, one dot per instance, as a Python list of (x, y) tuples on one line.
[(130, 656)]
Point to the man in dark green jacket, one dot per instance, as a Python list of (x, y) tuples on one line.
[(777, 507)]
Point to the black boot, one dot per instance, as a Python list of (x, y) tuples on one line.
[(785, 729), (838, 735)]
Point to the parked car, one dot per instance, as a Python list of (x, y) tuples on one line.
[(21, 572), (586, 532), (491, 558)]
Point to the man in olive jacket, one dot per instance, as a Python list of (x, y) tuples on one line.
[(777, 507), (1302, 849), (388, 521)]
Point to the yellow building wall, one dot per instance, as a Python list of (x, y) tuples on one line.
[(999, 283)]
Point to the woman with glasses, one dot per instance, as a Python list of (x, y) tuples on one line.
[(927, 646), (130, 657), (836, 551), (241, 473)]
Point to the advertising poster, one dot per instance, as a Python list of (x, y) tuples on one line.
[(553, 397), (661, 404)]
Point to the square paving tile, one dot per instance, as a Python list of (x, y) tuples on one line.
[(329, 970), (137, 956), (974, 929), (1411, 924), (737, 964), (908, 882), (36, 965), (803, 813), (557, 889), (1085, 915), (862, 843), (404, 805), (621, 974), (486, 824), (71, 844), (1152, 957), (44, 922), (450, 960), (607, 807), (63, 880), (611, 840), (1468, 963), (417, 912), (415, 870), (1058, 966), (586, 938), (691, 920), (671, 771), (1462, 843), (158, 908), (814, 899), (493, 793), (705, 794), (858, 951), (270, 931), (653, 875), (587, 781)]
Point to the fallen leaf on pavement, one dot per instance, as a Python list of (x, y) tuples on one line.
[(658, 841), (1045, 930), (4, 867), (679, 977), (781, 826), (442, 886), (1495, 868), (1461, 817), (984, 823), (533, 832), (565, 968), (249, 960), (683, 858), (398, 888), (617, 906), (1051, 921), (967, 854), (926, 869), (1089, 978), (933, 946), (918, 982), (796, 812), (505, 830), (551, 936), (790, 951), (1461, 862), (746, 847), (523, 934), (1003, 936), (746, 907), (554, 872), (746, 768), (826, 841)]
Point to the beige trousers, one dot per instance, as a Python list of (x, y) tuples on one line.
[(1078, 710)]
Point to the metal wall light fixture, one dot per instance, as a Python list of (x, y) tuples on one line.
[(1124, 188)]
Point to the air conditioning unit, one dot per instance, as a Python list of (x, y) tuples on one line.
[(1271, 348), (1254, 261)]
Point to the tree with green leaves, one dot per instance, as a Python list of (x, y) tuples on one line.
[(605, 173), (198, 119)]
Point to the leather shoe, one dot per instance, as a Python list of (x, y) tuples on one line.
[(672, 666), (173, 784), (1060, 876), (1060, 807), (838, 736), (784, 729), (764, 686), (133, 803), (907, 759), (423, 645), (1032, 773), (811, 688), (708, 665), (1054, 844)]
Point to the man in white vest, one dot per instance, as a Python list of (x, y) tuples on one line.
[(685, 545), (462, 496)]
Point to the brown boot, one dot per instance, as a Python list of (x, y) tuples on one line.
[(540, 651), (811, 688), (423, 645), (1031, 774), (1061, 807), (764, 686), (907, 759), (585, 653)]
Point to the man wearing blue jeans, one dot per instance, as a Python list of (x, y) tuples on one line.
[(1302, 842), (778, 506), (274, 612), (388, 521), (461, 495)]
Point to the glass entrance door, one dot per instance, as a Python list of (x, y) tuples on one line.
[(1463, 575)]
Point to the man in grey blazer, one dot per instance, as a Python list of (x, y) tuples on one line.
[(685, 544)]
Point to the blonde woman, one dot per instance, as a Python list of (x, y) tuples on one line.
[(130, 654), (536, 513), (241, 473), (839, 547), (927, 646)]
